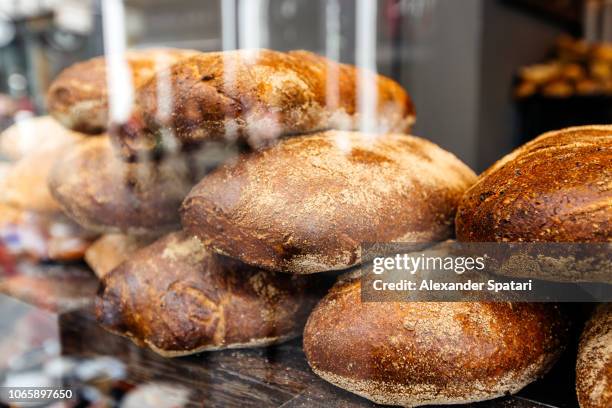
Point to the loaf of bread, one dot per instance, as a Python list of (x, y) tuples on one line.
[(78, 98), (308, 203), (103, 193), (556, 188), (594, 366), (259, 95), (177, 298), (424, 353), (111, 250), (35, 134)]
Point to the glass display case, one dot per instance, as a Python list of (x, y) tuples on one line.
[(305, 203)]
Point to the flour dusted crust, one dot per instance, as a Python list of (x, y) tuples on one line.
[(78, 97), (106, 194), (556, 188), (259, 95), (424, 353), (594, 366), (307, 204), (178, 298)]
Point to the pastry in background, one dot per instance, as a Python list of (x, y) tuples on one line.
[(106, 194), (78, 97), (594, 366), (258, 96), (308, 203), (111, 250), (429, 353), (35, 134), (177, 298)]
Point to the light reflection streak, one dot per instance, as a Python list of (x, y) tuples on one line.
[(366, 61)]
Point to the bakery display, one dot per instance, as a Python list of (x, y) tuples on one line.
[(79, 97), (103, 193), (594, 366), (307, 204), (257, 95), (178, 298), (412, 354)]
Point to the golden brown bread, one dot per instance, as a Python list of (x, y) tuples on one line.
[(177, 298), (78, 97), (594, 366), (34, 134), (422, 353), (308, 203), (111, 250), (103, 193), (258, 95), (556, 188)]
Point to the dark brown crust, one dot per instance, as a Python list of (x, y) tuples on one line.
[(308, 203), (178, 298), (594, 365), (557, 188), (259, 95), (78, 97), (410, 354), (103, 193)]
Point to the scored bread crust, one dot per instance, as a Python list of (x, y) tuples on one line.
[(308, 203), (178, 298), (423, 353), (594, 364), (556, 188), (260, 95), (104, 193), (78, 97)]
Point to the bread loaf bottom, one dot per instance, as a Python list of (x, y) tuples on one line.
[(177, 298), (308, 203), (413, 353), (594, 366)]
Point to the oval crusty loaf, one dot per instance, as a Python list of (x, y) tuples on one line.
[(307, 204), (423, 353), (556, 188), (260, 95), (177, 298), (111, 250), (78, 97), (103, 193), (594, 366), (35, 134)]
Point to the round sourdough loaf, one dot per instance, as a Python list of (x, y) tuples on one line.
[(555, 188), (308, 203), (177, 298), (423, 353), (594, 366), (78, 97), (103, 193)]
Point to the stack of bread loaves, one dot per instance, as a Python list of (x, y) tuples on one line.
[(259, 231)]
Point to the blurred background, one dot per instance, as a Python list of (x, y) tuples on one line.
[(486, 75)]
